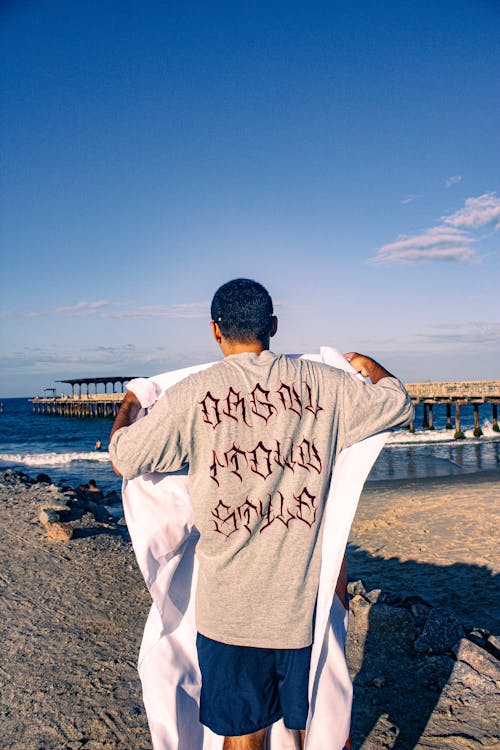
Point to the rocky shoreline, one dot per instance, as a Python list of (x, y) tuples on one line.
[(73, 608), (421, 680)]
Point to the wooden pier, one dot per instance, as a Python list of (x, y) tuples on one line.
[(455, 394), (83, 404), (92, 405)]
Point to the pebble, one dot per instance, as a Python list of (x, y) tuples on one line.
[(61, 532)]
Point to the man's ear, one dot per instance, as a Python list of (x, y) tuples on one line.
[(216, 331), (274, 326)]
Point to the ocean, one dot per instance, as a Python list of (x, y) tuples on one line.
[(63, 447)]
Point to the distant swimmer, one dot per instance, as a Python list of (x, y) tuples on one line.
[(98, 445)]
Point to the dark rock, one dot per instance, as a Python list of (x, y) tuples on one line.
[(112, 498), (493, 644), (43, 479), (356, 587), (479, 636), (388, 597), (476, 657), (98, 511), (121, 521), (420, 610), (114, 511), (16, 477), (441, 631)]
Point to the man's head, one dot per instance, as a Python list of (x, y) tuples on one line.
[(242, 316)]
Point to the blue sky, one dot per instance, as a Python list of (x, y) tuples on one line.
[(343, 154)]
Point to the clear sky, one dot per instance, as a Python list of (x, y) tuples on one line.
[(343, 154)]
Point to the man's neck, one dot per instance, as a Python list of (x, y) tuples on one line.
[(239, 347)]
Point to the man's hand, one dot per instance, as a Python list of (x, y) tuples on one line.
[(367, 366), (129, 409)]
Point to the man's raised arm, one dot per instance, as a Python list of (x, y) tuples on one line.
[(373, 407), (129, 409), (367, 367)]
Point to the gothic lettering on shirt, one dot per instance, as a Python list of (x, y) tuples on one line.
[(225, 519), (289, 398), (284, 458), (261, 402), (229, 519), (267, 458), (210, 410), (260, 460), (261, 405), (276, 511), (305, 507), (214, 466), (235, 406), (309, 406), (308, 456), (234, 458), (264, 461)]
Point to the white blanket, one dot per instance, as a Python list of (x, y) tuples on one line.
[(159, 518)]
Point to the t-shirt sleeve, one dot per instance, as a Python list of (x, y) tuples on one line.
[(368, 408), (156, 442)]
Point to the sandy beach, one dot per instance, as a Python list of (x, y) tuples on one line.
[(72, 614)]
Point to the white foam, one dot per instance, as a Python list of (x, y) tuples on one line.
[(52, 459), (404, 437)]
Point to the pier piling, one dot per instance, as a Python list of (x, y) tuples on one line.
[(459, 435)]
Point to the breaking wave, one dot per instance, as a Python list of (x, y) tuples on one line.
[(52, 459), (403, 437)]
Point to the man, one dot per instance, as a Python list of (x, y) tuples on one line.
[(260, 433)]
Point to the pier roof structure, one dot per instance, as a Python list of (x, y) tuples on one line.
[(105, 379)]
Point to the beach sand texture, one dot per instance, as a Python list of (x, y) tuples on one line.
[(72, 614)]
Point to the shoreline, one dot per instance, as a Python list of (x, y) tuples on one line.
[(477, 475)]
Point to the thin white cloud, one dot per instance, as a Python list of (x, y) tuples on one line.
[(437, 243), (106, 309), (409, 199), (120, 310), (480, 334), (476, 213), (454, 180), (452, 241), (81, 308), (126, 358)]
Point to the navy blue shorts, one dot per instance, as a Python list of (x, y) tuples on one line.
[(245, 689)]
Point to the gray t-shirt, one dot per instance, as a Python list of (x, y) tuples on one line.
[(260, 434)]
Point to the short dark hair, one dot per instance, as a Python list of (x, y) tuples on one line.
[(243, 309)]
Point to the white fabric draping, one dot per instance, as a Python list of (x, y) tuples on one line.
[(159, 518)]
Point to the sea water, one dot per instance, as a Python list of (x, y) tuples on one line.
[(63, 447)]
